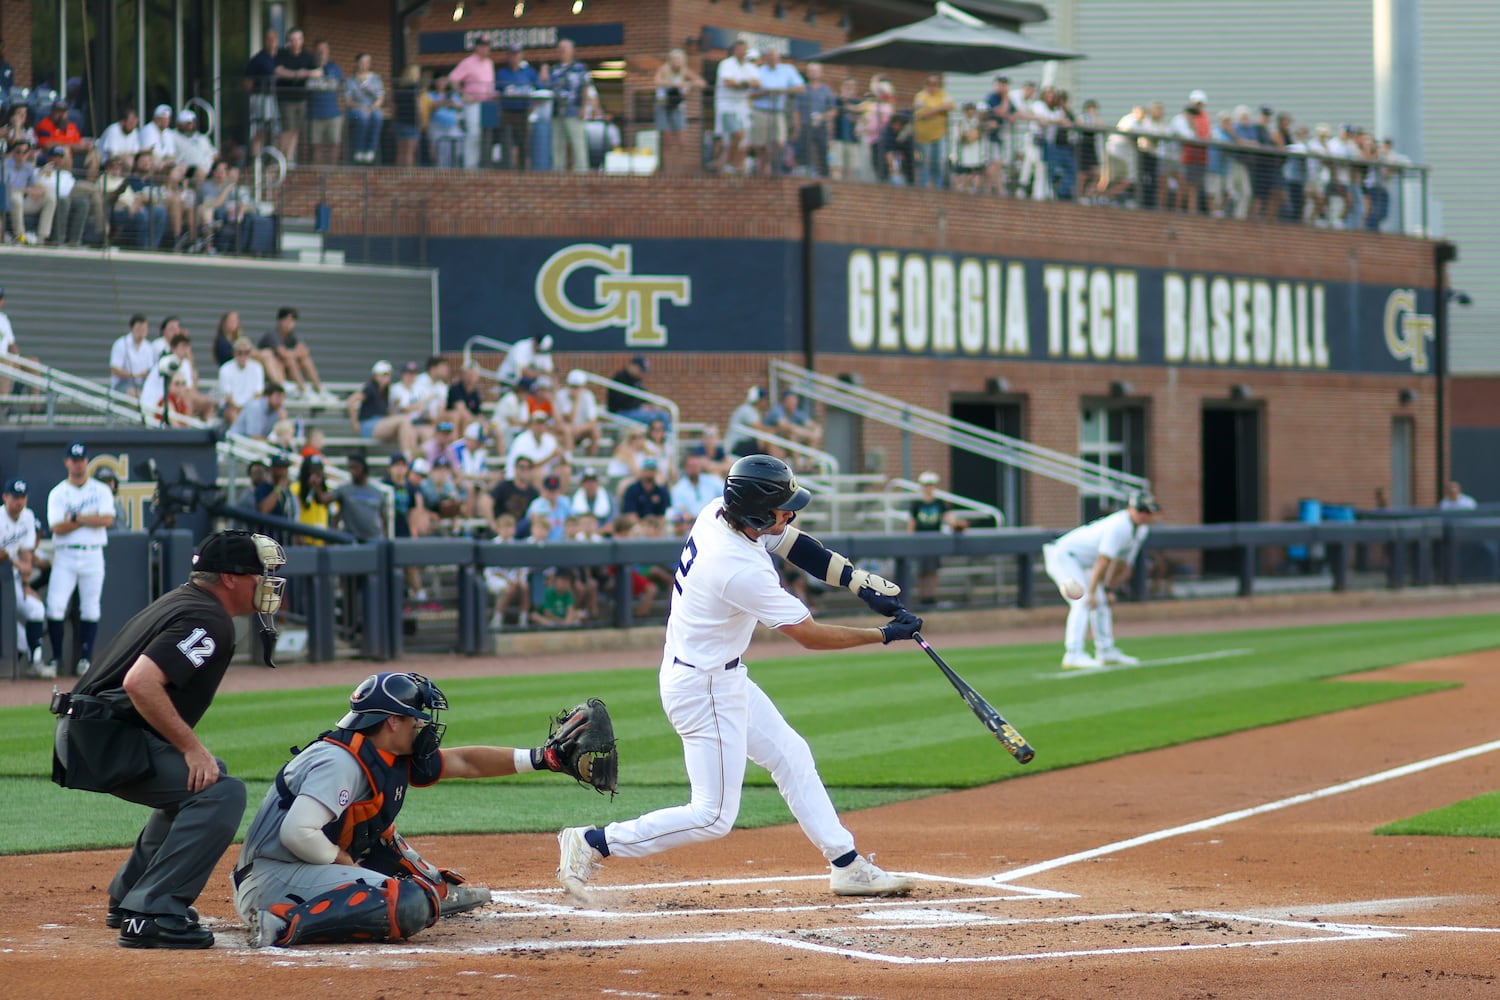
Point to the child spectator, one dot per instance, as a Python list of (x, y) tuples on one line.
[(559, 607), (507, 584)]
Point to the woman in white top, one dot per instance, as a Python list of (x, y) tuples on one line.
[(675, 83), (625, 462)]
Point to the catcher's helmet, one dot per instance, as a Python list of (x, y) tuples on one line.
[(759, 485), (380, 696)]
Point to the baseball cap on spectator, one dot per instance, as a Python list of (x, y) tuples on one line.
[(648, 463), (106, 475), (398, 459), (542, 382), (186, 115), (419, 467), (59, 105), (578, 377), (441, 462), (446, 426), (640, 362), (1266, 109), (545, 344), (410, 367), (380, 368), (538, 416), (77, 449), (162, 111), (15, 486), (928, 478), (552, 483), (1197, 97)]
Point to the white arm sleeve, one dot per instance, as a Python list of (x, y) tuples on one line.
[(302, 831)]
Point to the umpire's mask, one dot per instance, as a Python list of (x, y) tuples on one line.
[(245, 553)]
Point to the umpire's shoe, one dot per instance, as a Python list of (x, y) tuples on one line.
[(143, 930), (115, 916)]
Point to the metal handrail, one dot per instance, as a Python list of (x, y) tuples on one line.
[(207, 120), (1086, 476), (277, 160), (54, 382), (979, 507)]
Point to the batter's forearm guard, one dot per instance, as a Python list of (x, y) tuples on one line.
[(810, 555)]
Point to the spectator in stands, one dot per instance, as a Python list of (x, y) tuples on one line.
[(927, 514), (180, 197), (1264, 168), (507, 584), (647, 581), (675, 84), (658, 447), (121, 138), (1282, 138), (58, 131), (970, 151), (645, 496), (361, 507), (510, 415), (877, 110), (1148, 163), (1295, 173), (1087, 141), (136, 211), (735, 80), (815, 110), (574, 101), (364, 96), (314, 498), (850, 161), (515, 80), (553, 506), (222, 201), (441, 493), (407, 512), (692, 492), (404, 399), (716, 458), (582, 527), (285, 355), (1121, 157), (275, 498), (406, 115), (594, 500), (315, 442), (131, 358), (241, 380), (539, 398), (1242, 164), (443, 108), (258, 418), (465, 402), (17, 128), (431, 390), (747, 423), (1216, 177), (631, 407), (260, 83), (227, 337), (930, 110), (474, 80), (284, 436), (444, 444), (25, 193), (625, 459), (194, 149), (791, 419), (1318, 174), (526, 359), (324, 115), (295, 66), (1189, 124), (780, 83), (535, 443), (176, 364), (1454, 498), (157, 137), (578, 413), (559, 607), (372, 415), (899, 145), (513, 495)]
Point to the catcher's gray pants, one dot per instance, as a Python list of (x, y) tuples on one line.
[(183, 840), (271, 881)]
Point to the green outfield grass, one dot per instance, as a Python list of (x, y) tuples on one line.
[(883, 724), (1476, 817)]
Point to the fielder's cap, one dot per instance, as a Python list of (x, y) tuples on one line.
[(186, 115), (445, 426), (1144, 501), (162, 111), (648, 463), (928, 478), (15, 486), (1197, 97), (552, 483), (545, 344), (640, 362), (575, 377), (421, 467), (381, 696), (280, 461), (240, 553), (77, 450), (106, 475), (380, 368)]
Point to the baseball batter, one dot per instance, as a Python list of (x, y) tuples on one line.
[(79, 510), (1087, 564), (18, 535), (726, 582)]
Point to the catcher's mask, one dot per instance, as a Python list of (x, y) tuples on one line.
[(245, 553), (380, 696)]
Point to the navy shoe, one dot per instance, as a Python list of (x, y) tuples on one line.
[(142, 930)]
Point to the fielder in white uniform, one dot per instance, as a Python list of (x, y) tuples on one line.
[(726, 582), (1087, 564), (18, 537), (79, 510)]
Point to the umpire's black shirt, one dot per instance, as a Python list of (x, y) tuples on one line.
[(188, 634)]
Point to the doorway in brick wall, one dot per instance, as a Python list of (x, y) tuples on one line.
[(984, 479), (1230, 474)]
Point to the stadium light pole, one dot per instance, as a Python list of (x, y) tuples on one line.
[(812, 197)]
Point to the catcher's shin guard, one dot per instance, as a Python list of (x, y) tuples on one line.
[(356, 911)]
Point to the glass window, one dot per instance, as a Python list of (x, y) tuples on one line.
[(1114, 436)]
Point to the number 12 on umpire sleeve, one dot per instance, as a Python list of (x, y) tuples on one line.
[(685, 563)]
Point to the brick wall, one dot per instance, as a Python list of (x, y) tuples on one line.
[(15, 32), (351, 27), (1475, 402)]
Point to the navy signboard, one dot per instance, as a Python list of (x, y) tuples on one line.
[(534, 36), (699, 296)]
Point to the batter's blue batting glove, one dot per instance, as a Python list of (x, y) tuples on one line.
[(882, 604), (903, 626)]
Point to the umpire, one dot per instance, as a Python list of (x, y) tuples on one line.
[(127, 730)]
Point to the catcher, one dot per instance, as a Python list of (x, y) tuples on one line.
[(322, 860)]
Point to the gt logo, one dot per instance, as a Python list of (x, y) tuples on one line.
[(198, 646), (1406, 330), (621, 298)]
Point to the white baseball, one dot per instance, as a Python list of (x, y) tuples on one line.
[(1072, 589)]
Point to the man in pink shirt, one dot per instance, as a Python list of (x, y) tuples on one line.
[(474, 80)]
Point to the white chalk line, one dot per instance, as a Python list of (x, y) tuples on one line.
[(1218, 654), (1416, 767)]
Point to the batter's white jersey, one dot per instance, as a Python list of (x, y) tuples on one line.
[(65, 500), (1114, 535), (19, 534), (724, 584)]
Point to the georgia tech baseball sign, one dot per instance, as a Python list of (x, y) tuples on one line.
[(621, 298)]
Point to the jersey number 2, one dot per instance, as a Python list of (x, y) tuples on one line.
[(685, 563)]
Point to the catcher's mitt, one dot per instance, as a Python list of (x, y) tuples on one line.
[(581, 743)]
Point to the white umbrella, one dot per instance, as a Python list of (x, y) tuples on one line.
[(951, 41)]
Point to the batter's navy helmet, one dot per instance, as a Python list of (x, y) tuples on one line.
[(759, 485), (382, 695)]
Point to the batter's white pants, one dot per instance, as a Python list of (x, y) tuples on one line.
[(80, 567), (1062, 566), (724, 718)]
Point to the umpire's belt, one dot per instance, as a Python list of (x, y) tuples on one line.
[(728, 666), (240, 874)]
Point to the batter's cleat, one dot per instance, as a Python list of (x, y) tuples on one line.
[(463, 898), (1113, 657), (115, 916), (142, 930), (862, 877), (264, 928), (1080, 661), (577, 861)]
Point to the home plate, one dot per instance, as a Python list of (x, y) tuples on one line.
[(1218, 654)]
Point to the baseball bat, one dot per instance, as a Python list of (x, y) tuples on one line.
[(986, 713)]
